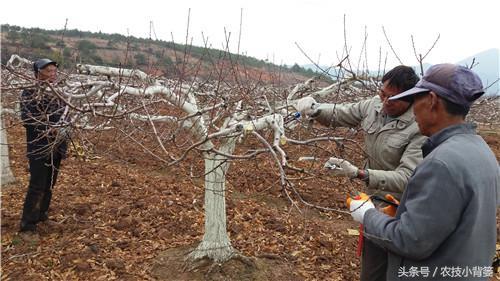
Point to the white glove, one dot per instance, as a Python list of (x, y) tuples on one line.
[(306, 106), (62, 134), (65, 132), (341, 168), (359, 207)]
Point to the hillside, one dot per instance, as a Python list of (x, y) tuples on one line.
[(487, 66), (156, 57)]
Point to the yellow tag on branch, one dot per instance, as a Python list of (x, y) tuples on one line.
[(79, 149), (248, 128), (282, 140)]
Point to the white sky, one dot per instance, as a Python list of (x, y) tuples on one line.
[(271, 28)]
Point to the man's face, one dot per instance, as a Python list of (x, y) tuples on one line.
[(392, 108), (422, 111), (48, 73)]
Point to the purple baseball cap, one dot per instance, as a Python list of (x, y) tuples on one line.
[(452, 82)]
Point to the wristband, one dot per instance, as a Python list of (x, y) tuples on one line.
[(363, 175)]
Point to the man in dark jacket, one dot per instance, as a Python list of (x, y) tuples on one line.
[(445, 227), (41, 113)]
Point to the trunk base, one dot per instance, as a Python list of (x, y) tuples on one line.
[(175, 264), (196, 260), (217, 252)]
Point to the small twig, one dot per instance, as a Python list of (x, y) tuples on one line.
[(390, 45), (32, 254), (432, 47)]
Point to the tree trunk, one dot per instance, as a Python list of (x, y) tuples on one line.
[(7, 176), (215, 244)]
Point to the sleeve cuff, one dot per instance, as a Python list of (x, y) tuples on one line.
[(376, 180)]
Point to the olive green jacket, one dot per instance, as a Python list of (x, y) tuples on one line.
[(393, 150)]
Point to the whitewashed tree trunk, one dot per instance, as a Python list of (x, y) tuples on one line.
[(215, 244), (7, 176)]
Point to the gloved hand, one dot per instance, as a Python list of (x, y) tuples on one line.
[(65, 132), (306, 106), (62, 134), (341, 168), (390, 210), (359, 205)]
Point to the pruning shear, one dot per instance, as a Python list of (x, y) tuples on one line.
[(335, 167), (360, 237), (374, 198), (382, 199)]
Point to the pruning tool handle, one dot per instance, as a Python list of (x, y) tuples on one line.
[(382, 199)]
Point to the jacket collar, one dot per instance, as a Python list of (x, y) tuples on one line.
[(438, 138), (408, 116)]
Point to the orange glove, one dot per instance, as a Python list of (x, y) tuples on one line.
[(361, 196), (390, 210), (360, 204)]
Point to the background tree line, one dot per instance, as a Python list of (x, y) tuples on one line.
[(74, 46)]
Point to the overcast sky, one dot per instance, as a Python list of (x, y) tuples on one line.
[(271, 28)]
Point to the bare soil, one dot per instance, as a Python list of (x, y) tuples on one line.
[(171, 265), (127, 217)]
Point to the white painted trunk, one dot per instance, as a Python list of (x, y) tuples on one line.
[(7, 176), (216, 244)]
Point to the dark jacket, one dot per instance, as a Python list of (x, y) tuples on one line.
[(40, 111), (446, 222)]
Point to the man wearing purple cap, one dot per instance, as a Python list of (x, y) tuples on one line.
[(445, 226)]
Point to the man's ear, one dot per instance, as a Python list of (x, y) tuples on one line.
[(433, 100)]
